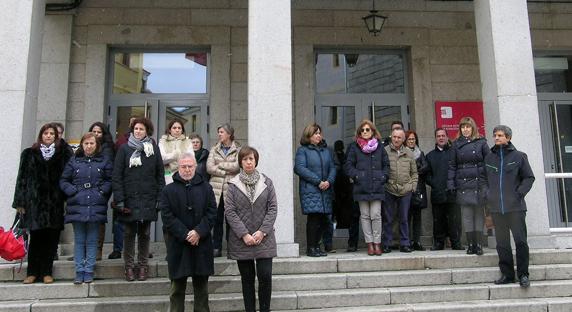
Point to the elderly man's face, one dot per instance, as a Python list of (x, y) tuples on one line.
[(397, 138), (187, 167)]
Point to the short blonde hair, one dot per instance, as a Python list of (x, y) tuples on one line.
[(309, 132), (368, 122), (469, 121)]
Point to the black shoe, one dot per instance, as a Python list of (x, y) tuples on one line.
[(313, 252), (351, 249), (505, 280), (478, 250), (417, 246), (524, 281), (457, 246), (321, 252), (405, 249), (471, 249), (150, 256), (70, 258), (217, 253), (114, 255), (386, 249)]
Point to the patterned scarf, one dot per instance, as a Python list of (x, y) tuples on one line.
[(249, 181), (416, 151), (48, 151), (139, 145), (367, 146)]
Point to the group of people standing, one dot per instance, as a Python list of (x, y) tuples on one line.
[(388, 177)]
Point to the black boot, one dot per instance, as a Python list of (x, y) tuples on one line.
[(478, 243), (471, 243), (313, 252)]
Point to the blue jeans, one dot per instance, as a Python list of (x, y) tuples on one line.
[(86, 235), (117, 235)]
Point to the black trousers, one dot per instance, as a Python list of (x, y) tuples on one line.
[(263, 272), (41, 251), (414, 224), (200, 293), (218, 229), (514, 222), (316, 225), (354, 226), (446, 222)]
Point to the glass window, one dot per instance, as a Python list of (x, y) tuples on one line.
[(553, 74), (159, 73), (359, 73)]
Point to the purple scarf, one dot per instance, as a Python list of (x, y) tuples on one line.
[(366, 146)]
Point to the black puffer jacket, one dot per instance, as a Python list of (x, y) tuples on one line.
[(422, 168), (138, 188), (467, 170), (509, 177), (201, 157), (368, 171)]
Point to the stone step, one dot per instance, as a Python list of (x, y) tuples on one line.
[(339, 262), (558, 304), (478, 297)]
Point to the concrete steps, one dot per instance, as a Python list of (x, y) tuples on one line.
[(422, 281)]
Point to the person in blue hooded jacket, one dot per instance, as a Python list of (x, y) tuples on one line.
[(314, 164), (86, 181)]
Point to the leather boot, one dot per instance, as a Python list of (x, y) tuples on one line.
[(142, 276), (313, 252), (478, 243), (129, 274), (377, 249), (370, 249), (471, 244)]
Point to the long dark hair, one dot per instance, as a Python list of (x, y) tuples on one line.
[(45, 127), (106, 135)]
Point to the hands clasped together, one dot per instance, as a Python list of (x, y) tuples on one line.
[(254, 239)]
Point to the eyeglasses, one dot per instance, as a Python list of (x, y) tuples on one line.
[(365, 130)]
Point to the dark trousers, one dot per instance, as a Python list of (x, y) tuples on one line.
[(117, 235), (218, 229), (514, 222), (316, 225), (143, 231), (200, 294), (401, 205), (354, 226), (263, 272), (415, 224), (328, 235), (43, 246), (446, 222)]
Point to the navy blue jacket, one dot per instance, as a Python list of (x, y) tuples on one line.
[(437, 171), (314, 164), (86, 181), (368, 171), (467, 171), (509, 178), (186, 206)]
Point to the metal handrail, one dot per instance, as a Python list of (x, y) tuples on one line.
[(565, 175)]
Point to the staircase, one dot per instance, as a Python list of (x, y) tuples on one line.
[(420, 281)]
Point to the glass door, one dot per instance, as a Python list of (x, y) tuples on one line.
[(555, 116)]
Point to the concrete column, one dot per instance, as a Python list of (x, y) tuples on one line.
[(54, 70), (21, 23), (509, 95), (270, 106)]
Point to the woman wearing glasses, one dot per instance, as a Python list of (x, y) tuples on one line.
[(367, 165)]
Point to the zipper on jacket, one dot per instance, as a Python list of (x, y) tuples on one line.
[(500, 179)]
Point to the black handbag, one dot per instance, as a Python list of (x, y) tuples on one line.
[(417, 199)]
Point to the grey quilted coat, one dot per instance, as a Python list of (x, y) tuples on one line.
[(246, 218)]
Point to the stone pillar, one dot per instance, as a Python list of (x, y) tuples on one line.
[(21, 23), (270, 107), (509, 90)]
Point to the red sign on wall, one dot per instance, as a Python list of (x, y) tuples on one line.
[(448, 114)]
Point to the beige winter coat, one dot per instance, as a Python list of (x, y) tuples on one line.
[(402, 171), (222, 167), (171, 148)]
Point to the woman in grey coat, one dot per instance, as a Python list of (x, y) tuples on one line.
[(250, 210)]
